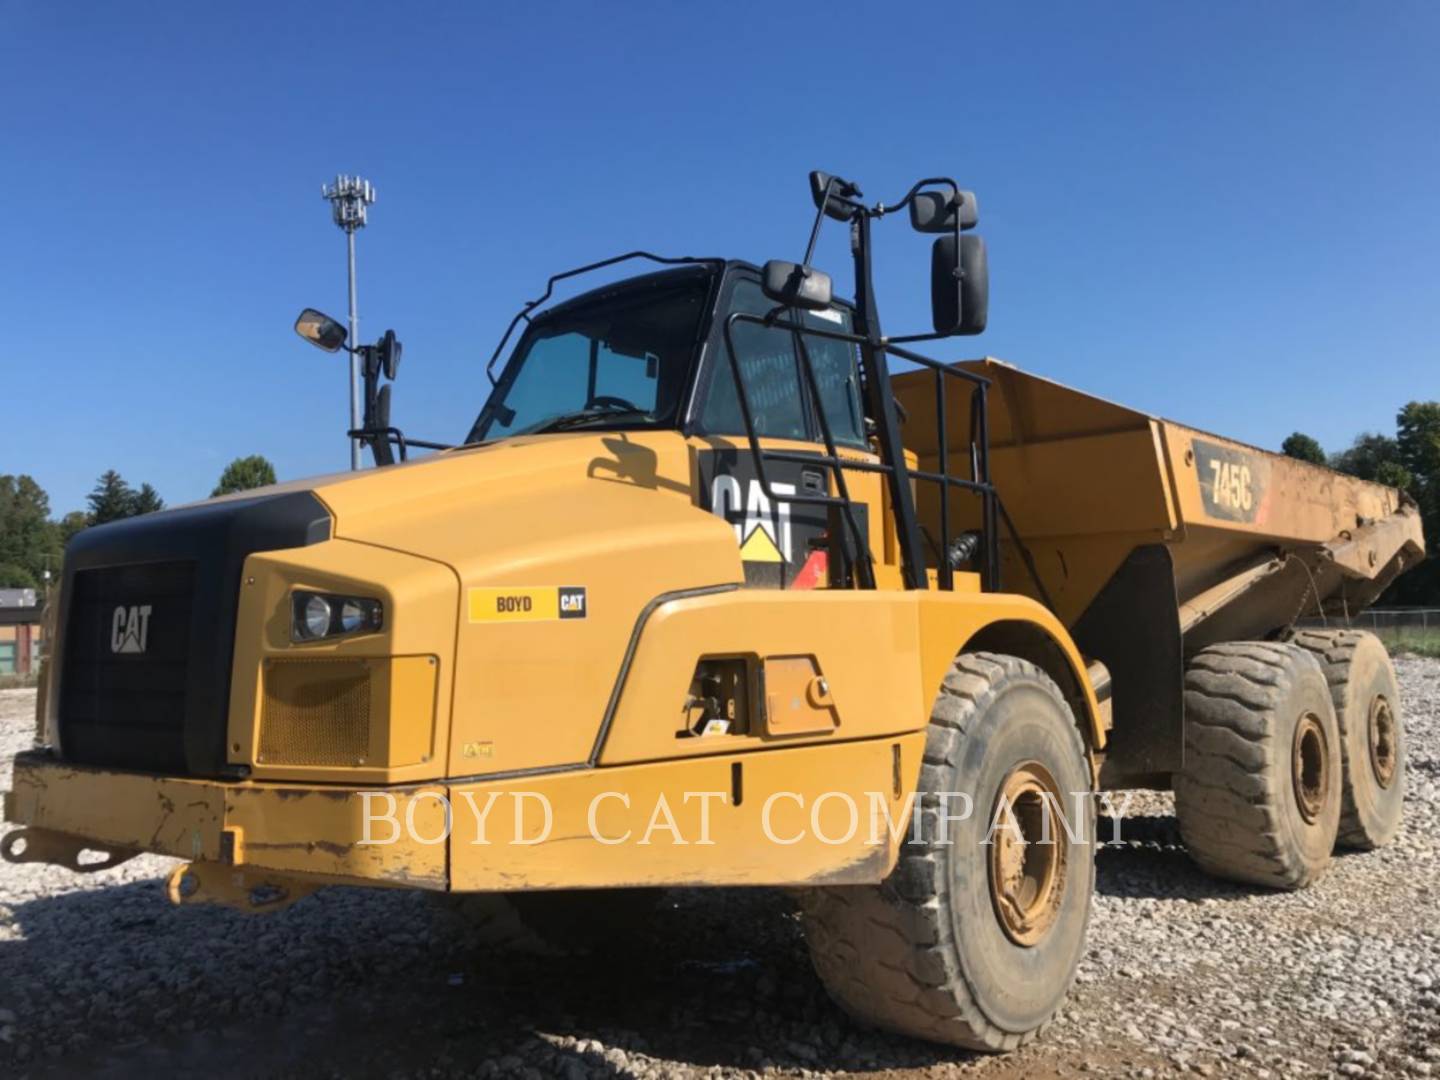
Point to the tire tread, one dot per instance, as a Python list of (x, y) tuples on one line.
[(883, 952), (1223, 798)]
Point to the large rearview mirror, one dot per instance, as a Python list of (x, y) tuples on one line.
[(389, 354), (796, 286), (934, 211), (959, 285), (320, 330)]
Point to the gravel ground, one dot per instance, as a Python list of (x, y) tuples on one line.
[(1183, 975)]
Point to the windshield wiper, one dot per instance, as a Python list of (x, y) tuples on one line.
[(565, 421)]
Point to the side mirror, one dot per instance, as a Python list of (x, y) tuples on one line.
[(935, 211), (320, 330), (389, 356), (796, 286), (959, 285), (834, 208)]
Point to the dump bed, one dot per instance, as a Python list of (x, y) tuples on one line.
[(1150, 539), (1087, 481)]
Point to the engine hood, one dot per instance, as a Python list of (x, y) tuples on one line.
[(493, 510)]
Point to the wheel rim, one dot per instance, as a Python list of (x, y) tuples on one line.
[(1028, 855), (1311, 767), (1383, 754)]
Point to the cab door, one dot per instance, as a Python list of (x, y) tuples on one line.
[(785, 544)]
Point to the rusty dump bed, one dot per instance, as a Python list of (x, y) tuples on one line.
[(1151, 540)]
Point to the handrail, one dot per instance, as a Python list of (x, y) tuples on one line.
[(978, 483)]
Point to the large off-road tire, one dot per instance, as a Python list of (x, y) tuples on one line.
[(969, 943), (1259, 797), (1372, 734)]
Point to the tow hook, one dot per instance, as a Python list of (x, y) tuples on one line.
[(60, 849), (250, 891)]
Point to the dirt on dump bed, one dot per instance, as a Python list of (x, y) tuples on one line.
[(1183, 974)]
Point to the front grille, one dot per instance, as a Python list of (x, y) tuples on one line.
[(316, 712), (125, 665), (150, 691)]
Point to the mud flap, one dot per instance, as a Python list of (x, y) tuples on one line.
[(1133, 628)]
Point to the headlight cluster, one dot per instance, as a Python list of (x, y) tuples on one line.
[(315, 616)]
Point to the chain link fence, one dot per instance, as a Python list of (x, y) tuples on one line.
[(1401, 629)]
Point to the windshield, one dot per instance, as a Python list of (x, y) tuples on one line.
[(622, 360)]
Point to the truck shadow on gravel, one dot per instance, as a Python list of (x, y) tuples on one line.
[(112, 981), (1150, 862)]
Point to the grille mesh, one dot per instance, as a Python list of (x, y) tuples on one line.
[(123, 698), (316, 712)]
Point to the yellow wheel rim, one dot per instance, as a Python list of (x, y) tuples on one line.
[(1029, 854)]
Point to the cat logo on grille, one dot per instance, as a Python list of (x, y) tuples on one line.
[(130, 628)]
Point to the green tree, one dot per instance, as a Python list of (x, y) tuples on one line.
[(15, 576), (1417, 436), (146, 501), (114, 499), (29, 540), (1302, 446), (1374, 457), (245, 473), (71, 524), (111, 500)]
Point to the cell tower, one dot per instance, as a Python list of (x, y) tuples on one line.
[(350, 198)]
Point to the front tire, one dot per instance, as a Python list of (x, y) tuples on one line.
[(971, 943)]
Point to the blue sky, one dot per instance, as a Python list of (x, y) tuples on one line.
[(1222, 212)]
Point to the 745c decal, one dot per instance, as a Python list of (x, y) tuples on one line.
[(1231, 481), (521, 603)]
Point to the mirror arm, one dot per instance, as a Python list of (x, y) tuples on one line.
[(819, 218), (906, 339), (932, 181)]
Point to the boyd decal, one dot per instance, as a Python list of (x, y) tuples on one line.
[(527, 604), (130, 629)]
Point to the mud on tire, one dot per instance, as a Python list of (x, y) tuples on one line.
[(1372, 734), (928, 952), (1259, 798)]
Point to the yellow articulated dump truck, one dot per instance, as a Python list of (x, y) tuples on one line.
[(711, 596)]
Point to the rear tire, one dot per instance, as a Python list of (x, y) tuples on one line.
[(967, 943), (1259, 798), (1372, 735)]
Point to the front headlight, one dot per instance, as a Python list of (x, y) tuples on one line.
[(315, 616)]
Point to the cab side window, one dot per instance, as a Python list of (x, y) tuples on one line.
[(837, 371), (766, 357), (770, 368)]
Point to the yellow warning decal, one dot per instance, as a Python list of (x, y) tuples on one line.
[(758, 547), (519, 603)]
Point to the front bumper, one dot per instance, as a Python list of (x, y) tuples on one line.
[(778, 817), (306, 832)]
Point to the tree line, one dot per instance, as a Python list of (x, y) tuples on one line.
[(32, 543), (1408, 460)]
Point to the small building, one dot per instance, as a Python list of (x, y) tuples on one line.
[(21, 637)]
